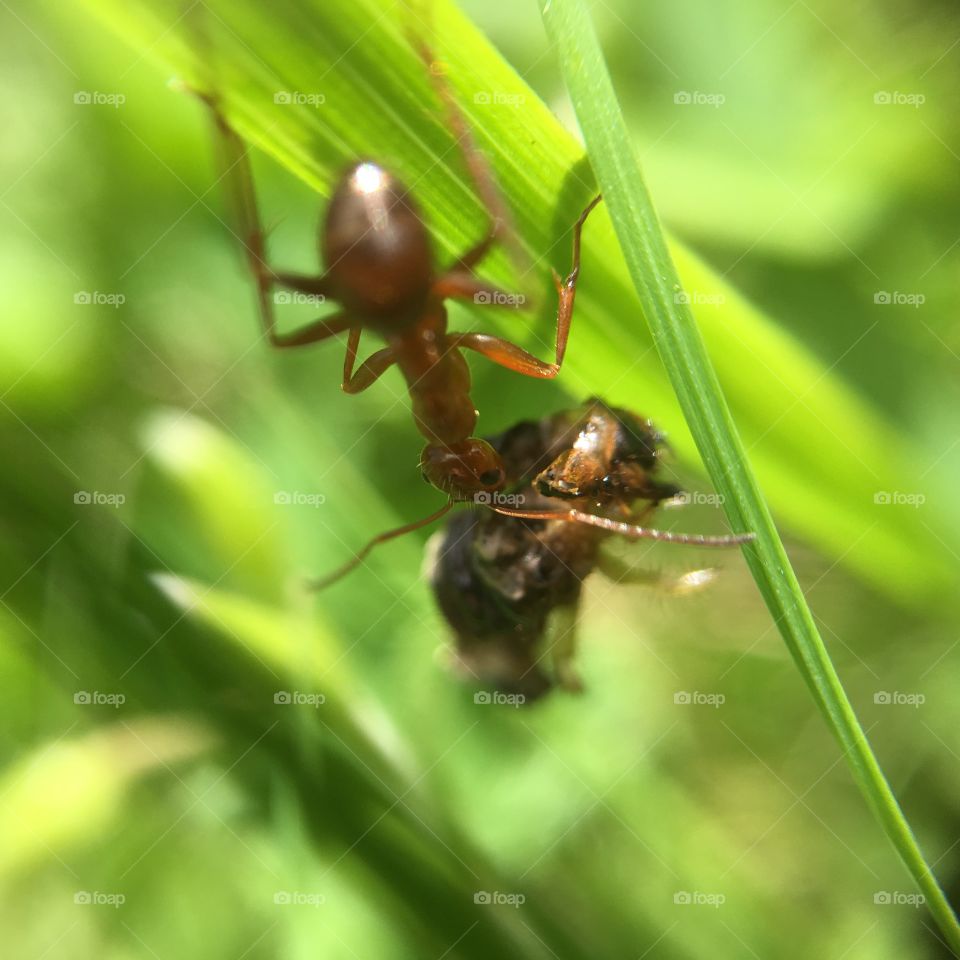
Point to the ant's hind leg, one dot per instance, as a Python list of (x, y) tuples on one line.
[(242, 198)]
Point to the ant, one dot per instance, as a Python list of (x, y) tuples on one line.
[(381, 271), (502, 578)]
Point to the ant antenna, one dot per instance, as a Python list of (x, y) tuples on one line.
[(321, 583), (629, 530)]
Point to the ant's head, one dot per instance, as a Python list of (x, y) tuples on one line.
[(463, 469)]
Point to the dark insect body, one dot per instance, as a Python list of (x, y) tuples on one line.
[(506, 582)]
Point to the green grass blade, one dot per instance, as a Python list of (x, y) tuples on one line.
[(692, 375)]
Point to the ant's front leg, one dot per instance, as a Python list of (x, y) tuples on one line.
[(238, 175), (502, 351)]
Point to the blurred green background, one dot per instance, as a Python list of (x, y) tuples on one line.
[(156, 800)]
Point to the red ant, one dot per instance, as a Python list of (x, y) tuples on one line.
[(381, 270)]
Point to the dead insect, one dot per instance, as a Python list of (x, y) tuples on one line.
[(507, 577)]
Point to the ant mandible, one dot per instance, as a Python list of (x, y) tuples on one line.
[(381, 271)]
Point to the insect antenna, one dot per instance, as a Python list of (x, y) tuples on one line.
[(321, 583), (629, 530)]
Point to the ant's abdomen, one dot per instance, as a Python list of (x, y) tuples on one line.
[(375, 246)]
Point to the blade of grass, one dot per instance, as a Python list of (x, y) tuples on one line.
[(708, 416)]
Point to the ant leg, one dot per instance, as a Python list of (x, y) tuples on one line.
[(370, 370), (501, 225), (567, 290), (503, 351), (322, 583), (312, 332), (474, 255), (235, 162)]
